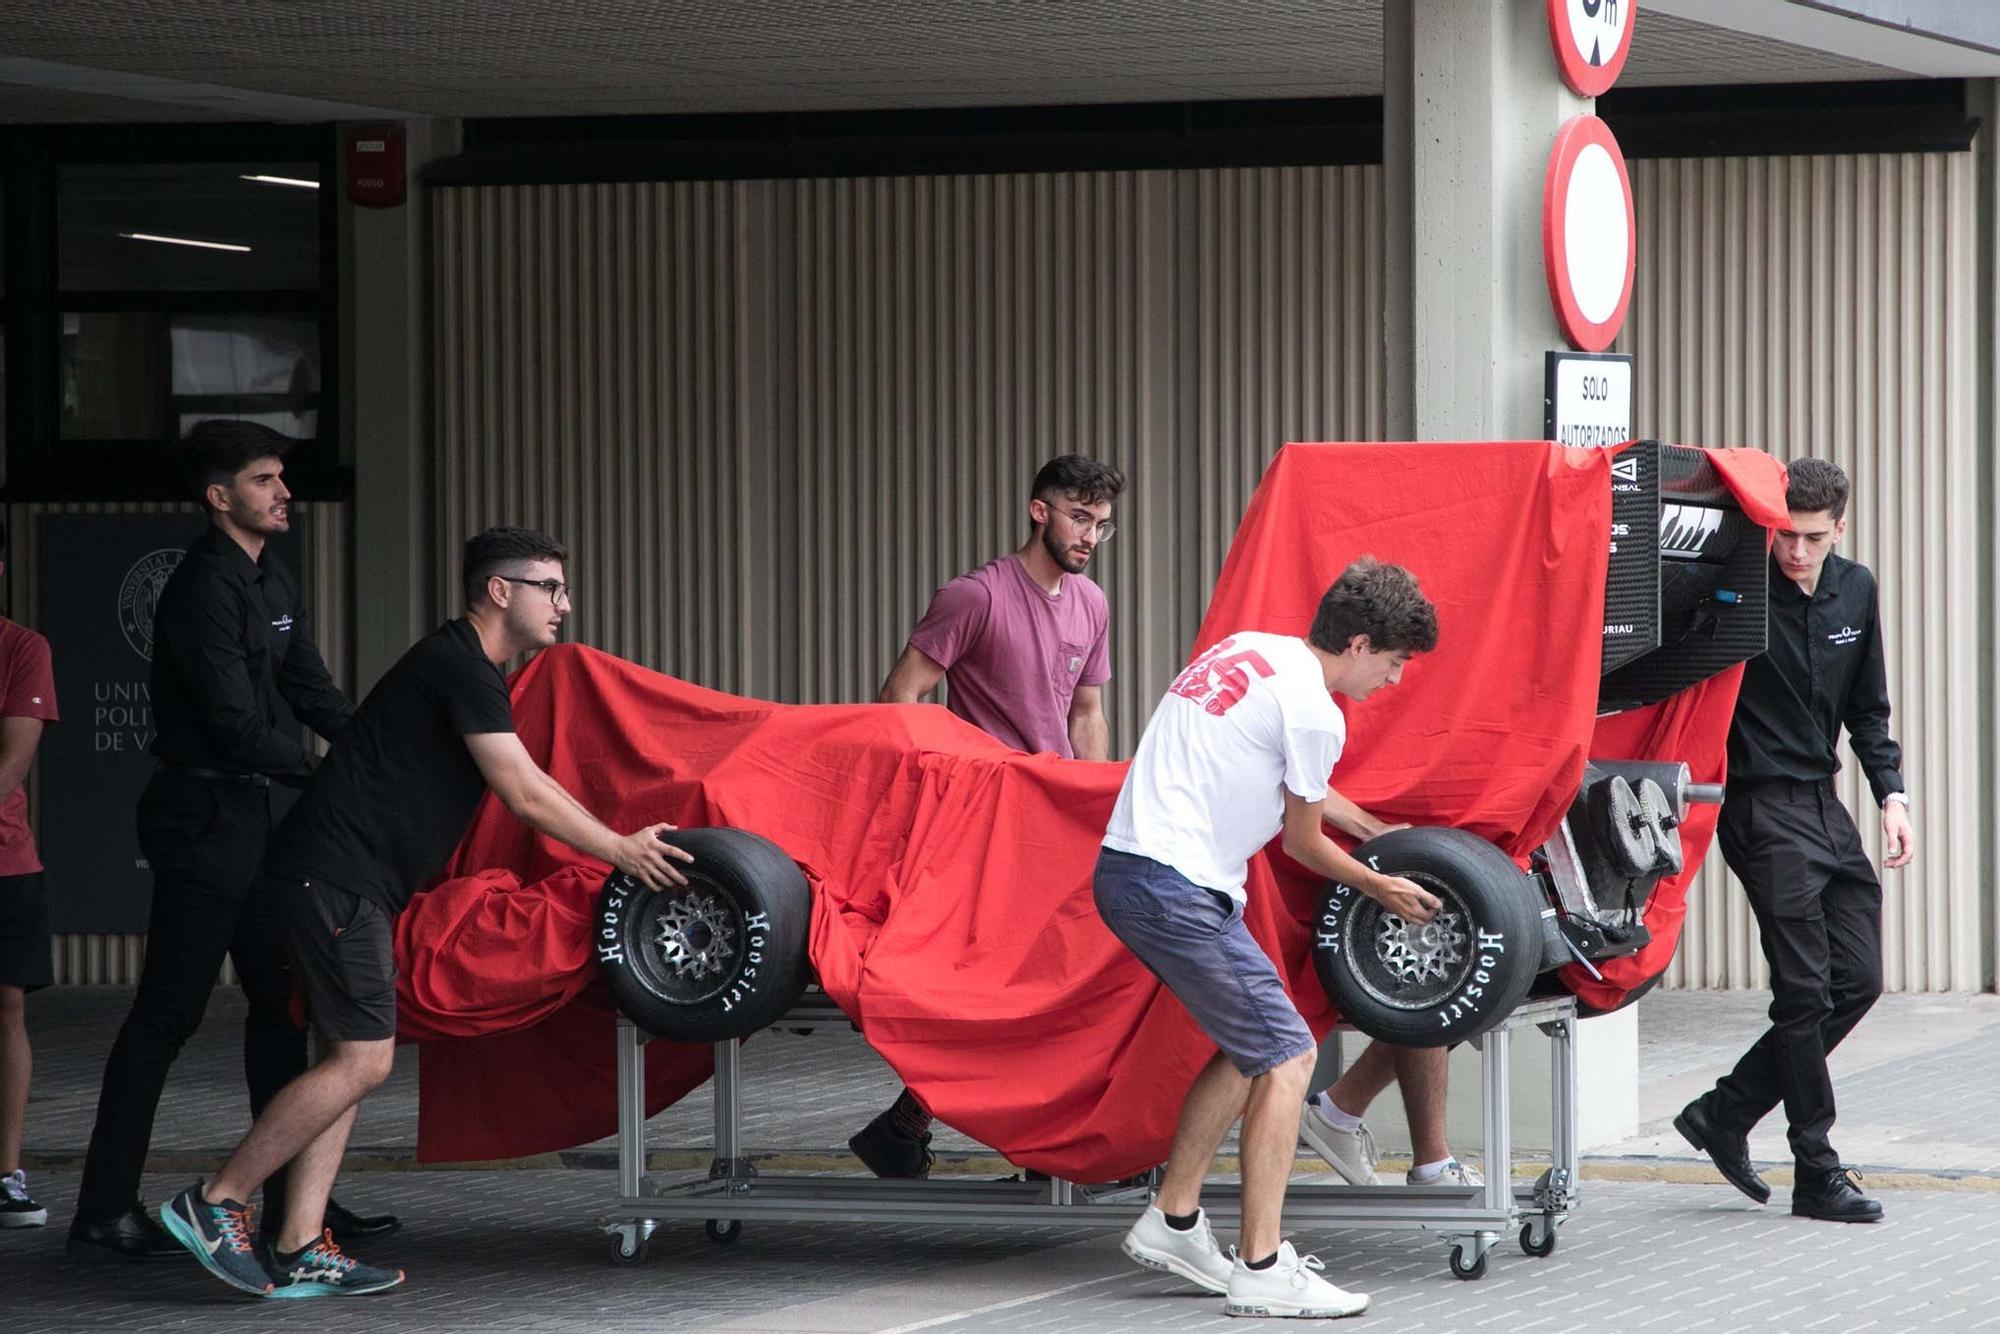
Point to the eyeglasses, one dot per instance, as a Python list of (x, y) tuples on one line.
[(1082, 521), (557, 590)]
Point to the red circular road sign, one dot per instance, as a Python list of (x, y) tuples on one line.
[(1589, 233), (1592, 39)]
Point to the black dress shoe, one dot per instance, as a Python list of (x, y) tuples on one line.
[(349, 1227), (1729, 1152), (1835, 1196), (133, 1235)]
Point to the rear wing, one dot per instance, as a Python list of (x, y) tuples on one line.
[(1687, 591)]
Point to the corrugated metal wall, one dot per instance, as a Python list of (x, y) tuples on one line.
[(1827, 306), (94, 960), (773, 416)]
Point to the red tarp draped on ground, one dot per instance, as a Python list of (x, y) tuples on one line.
[(952, 917)]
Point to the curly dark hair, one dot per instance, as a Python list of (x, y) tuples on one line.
[(1377, 600), (503, 551), (1815, 485), (1079, 478)]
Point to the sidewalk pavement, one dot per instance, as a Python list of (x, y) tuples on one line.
[(1916, 1083), (1657, 1244)]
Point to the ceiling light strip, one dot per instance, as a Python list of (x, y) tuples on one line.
[(184, 240)]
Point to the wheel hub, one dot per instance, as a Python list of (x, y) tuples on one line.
[(1416, 954), (697, 937)]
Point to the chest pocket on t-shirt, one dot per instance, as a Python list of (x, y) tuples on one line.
[(1067, 669)]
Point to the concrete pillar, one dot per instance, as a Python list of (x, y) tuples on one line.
[(1471, 104), (1472, 100), (385, 307)]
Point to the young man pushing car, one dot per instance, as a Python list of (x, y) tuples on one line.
[(1242, 746)]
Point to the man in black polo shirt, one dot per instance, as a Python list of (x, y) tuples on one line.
[(231, 638), (377, 820), (1784, 832)]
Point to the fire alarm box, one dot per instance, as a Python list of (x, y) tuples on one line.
[(376, 175)]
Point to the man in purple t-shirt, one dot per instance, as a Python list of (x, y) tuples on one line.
[(1023, 644)]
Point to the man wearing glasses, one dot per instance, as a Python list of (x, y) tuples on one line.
[(1023, 642), (377, 820)]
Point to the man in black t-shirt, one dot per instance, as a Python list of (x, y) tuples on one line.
[(379, 818)]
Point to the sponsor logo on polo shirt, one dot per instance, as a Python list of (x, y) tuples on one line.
[(1844, 636)]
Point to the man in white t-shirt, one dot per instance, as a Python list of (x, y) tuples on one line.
[(1242, 747)]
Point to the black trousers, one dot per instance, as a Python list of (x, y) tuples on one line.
[(1818, 906), (204, 839)]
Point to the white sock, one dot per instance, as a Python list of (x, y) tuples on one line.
[(1429, 1171), (1340, 1119)]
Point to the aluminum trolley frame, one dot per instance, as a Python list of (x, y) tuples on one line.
[(1471, 1221)]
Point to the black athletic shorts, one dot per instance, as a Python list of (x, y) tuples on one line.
[(25, 961), (343, 957)]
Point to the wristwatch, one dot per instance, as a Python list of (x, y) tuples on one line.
[(1902, 797)]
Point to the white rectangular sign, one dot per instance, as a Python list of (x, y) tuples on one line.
[(1587, 398)]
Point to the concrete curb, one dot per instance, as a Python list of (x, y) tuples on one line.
[(1677, 1171)]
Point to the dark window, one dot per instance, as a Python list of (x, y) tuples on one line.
[(144, 375), (157, 276), (188, 226)]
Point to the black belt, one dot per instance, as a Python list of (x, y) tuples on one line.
[(1785, 787), (214, 775)]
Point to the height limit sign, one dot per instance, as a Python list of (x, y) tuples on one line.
[(1587, 398)]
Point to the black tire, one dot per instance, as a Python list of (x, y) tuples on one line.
[(624, 1252), (720, 957), (1451, 979), (1460, 1269), (1542, 1249), (724, 1231)]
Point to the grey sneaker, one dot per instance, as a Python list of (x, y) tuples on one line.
[(1193, 1255), (16, 1209), (1351, 1153), (324, 1270), (1453, 1173), (1291, 1287)]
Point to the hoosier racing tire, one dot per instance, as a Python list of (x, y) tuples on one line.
[(719, 957), (1450, 979)]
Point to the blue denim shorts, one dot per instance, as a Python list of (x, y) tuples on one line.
[(1195, 941)]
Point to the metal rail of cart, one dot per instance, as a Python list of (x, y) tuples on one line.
[(1469, 1220)]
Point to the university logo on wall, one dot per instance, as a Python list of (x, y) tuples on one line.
[(139, 597)]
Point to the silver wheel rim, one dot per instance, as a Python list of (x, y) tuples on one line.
[(693, 943), (1406, 966)]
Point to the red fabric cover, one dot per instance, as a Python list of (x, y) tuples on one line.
[(952, 912)]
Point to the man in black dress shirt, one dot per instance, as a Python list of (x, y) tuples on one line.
[(1785, 834), (231, 638)]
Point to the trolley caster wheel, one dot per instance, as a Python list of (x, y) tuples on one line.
[(628, 1250), (1460, 1269), (723, 1231), (1546, 1246)]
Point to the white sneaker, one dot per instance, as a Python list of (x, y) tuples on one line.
[(1453, 1173), (1192, 1255), (1349, 1152), (1291, 1287)]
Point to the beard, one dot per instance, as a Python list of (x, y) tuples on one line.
[(1060, 554)]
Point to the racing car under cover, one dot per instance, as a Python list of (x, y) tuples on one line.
[(938, 884)]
